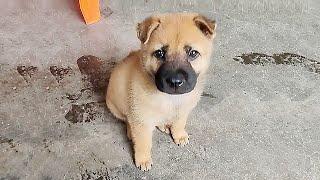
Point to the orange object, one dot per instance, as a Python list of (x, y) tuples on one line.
[(90, 10)]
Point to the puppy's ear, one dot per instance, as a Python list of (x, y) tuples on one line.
[(145, 28), (206, 26)]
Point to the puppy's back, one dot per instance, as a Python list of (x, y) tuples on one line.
[(119, 82)]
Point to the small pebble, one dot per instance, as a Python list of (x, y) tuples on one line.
[(14, 88), (47, 88)]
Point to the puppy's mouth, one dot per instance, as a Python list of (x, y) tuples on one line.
[(175, 78)]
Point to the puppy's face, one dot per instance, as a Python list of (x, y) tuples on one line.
[(176, 49)]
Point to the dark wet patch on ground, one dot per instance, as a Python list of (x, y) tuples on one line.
[(83, 112), (9, 141), (60, 72), (46, 144), (129, 172), (124, 171), (27, 72), (5, 140), (283, 58), (121, 172), (204, 94), (76, 96), (106, 12), (91, 68), (95, 77), (112, 63), (96, 74), (254, 58), (100, 174)]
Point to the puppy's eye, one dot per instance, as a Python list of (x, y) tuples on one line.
[(159, 54), (193, 54)]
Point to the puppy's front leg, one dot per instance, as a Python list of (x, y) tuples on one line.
[(179, 134), (142, 143)]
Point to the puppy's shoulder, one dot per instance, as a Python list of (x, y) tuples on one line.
[(134, 54), (128, 63), (133, 57)]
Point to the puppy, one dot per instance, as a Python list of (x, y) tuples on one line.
[(159, 85)]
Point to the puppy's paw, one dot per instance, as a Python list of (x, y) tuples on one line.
[(182, 139), (143, 163), (164, 128)]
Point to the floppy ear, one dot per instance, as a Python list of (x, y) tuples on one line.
[(206, 26), (145, 28)]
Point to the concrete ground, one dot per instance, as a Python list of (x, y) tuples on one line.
[(259, 117)]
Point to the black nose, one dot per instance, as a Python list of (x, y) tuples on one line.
[(174, 81), (175, 77)]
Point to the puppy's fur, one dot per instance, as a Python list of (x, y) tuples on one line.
[(133, 95)]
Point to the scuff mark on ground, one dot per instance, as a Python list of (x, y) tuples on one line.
[(204, 94)]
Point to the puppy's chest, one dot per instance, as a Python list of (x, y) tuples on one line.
[(168, 106), (169, 103)]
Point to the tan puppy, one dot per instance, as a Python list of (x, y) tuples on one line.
[(159, 85)]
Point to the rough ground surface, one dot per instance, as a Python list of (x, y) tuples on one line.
[(259, 117)]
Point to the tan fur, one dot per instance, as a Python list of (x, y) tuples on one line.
[(132, 95)]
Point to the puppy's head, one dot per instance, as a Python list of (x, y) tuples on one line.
[(176, 49)]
